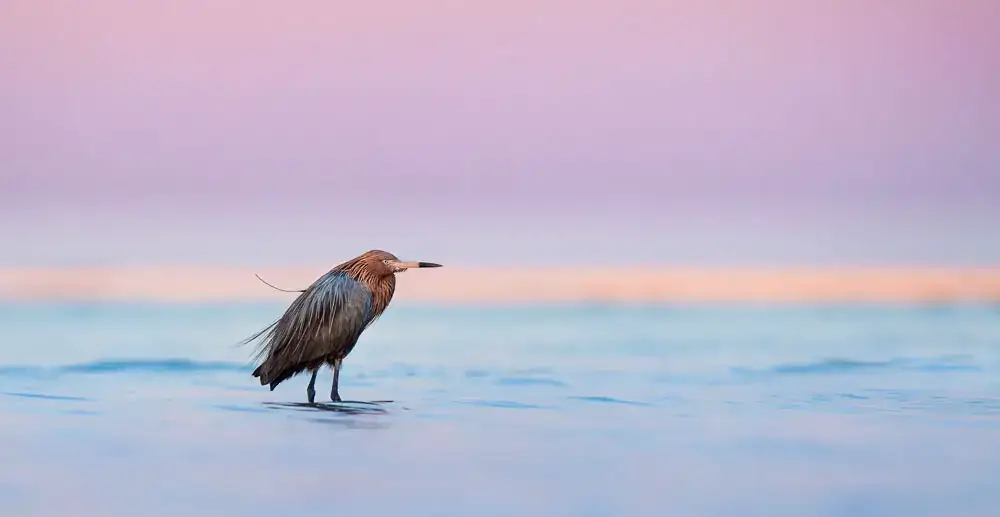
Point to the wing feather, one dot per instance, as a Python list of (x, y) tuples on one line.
[(324, 321)]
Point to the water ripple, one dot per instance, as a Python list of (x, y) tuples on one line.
[(154, 365), (839, 365), (529, 381), (106, 366), (239, 409), (46, 397), (609, 400), (507, 404)]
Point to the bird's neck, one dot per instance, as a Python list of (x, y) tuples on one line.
[(382, 290), (381, 287)]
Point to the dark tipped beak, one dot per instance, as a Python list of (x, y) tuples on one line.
[(402, 266)]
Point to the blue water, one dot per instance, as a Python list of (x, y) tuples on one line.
[(126, 410)]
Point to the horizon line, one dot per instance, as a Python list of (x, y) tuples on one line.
[(521, 284)]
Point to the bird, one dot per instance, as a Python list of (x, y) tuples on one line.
[(322, 325)]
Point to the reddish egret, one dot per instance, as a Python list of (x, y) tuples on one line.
[(324, 322)]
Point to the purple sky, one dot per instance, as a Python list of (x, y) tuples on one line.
[(513, 132)]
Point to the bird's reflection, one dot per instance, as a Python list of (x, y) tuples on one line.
[(352, 423), (345, 407)]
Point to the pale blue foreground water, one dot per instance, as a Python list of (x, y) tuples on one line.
[(149, 410)]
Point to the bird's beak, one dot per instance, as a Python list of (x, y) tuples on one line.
[(413, 265)]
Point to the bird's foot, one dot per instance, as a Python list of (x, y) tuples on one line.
[(311, 393), (335, 397)]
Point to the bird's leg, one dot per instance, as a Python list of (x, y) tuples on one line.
[(334, 392), (311, 388)]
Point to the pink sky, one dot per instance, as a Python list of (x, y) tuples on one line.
[(303, 132)]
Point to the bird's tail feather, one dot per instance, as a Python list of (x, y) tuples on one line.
[(261, 348), (282, 377)]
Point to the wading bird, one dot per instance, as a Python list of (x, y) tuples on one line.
[(325, 321)]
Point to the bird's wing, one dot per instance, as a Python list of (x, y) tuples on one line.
[(326, 319)]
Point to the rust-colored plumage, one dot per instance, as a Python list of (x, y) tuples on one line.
[(323, 324)]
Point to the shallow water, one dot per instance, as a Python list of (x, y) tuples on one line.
[(150, 410)]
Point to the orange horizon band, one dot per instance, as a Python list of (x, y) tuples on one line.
[(455, 284)]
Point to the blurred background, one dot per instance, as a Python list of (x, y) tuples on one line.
[(540, 133), (710, 257)]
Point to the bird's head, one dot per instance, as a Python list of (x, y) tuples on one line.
[(385, 263)]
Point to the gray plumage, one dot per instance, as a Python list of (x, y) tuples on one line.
[(323, 324)]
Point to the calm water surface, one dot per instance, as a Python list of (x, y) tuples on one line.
[(150, 410)]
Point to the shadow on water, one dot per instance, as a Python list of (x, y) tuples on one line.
[(346, 407), (335, 413)]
